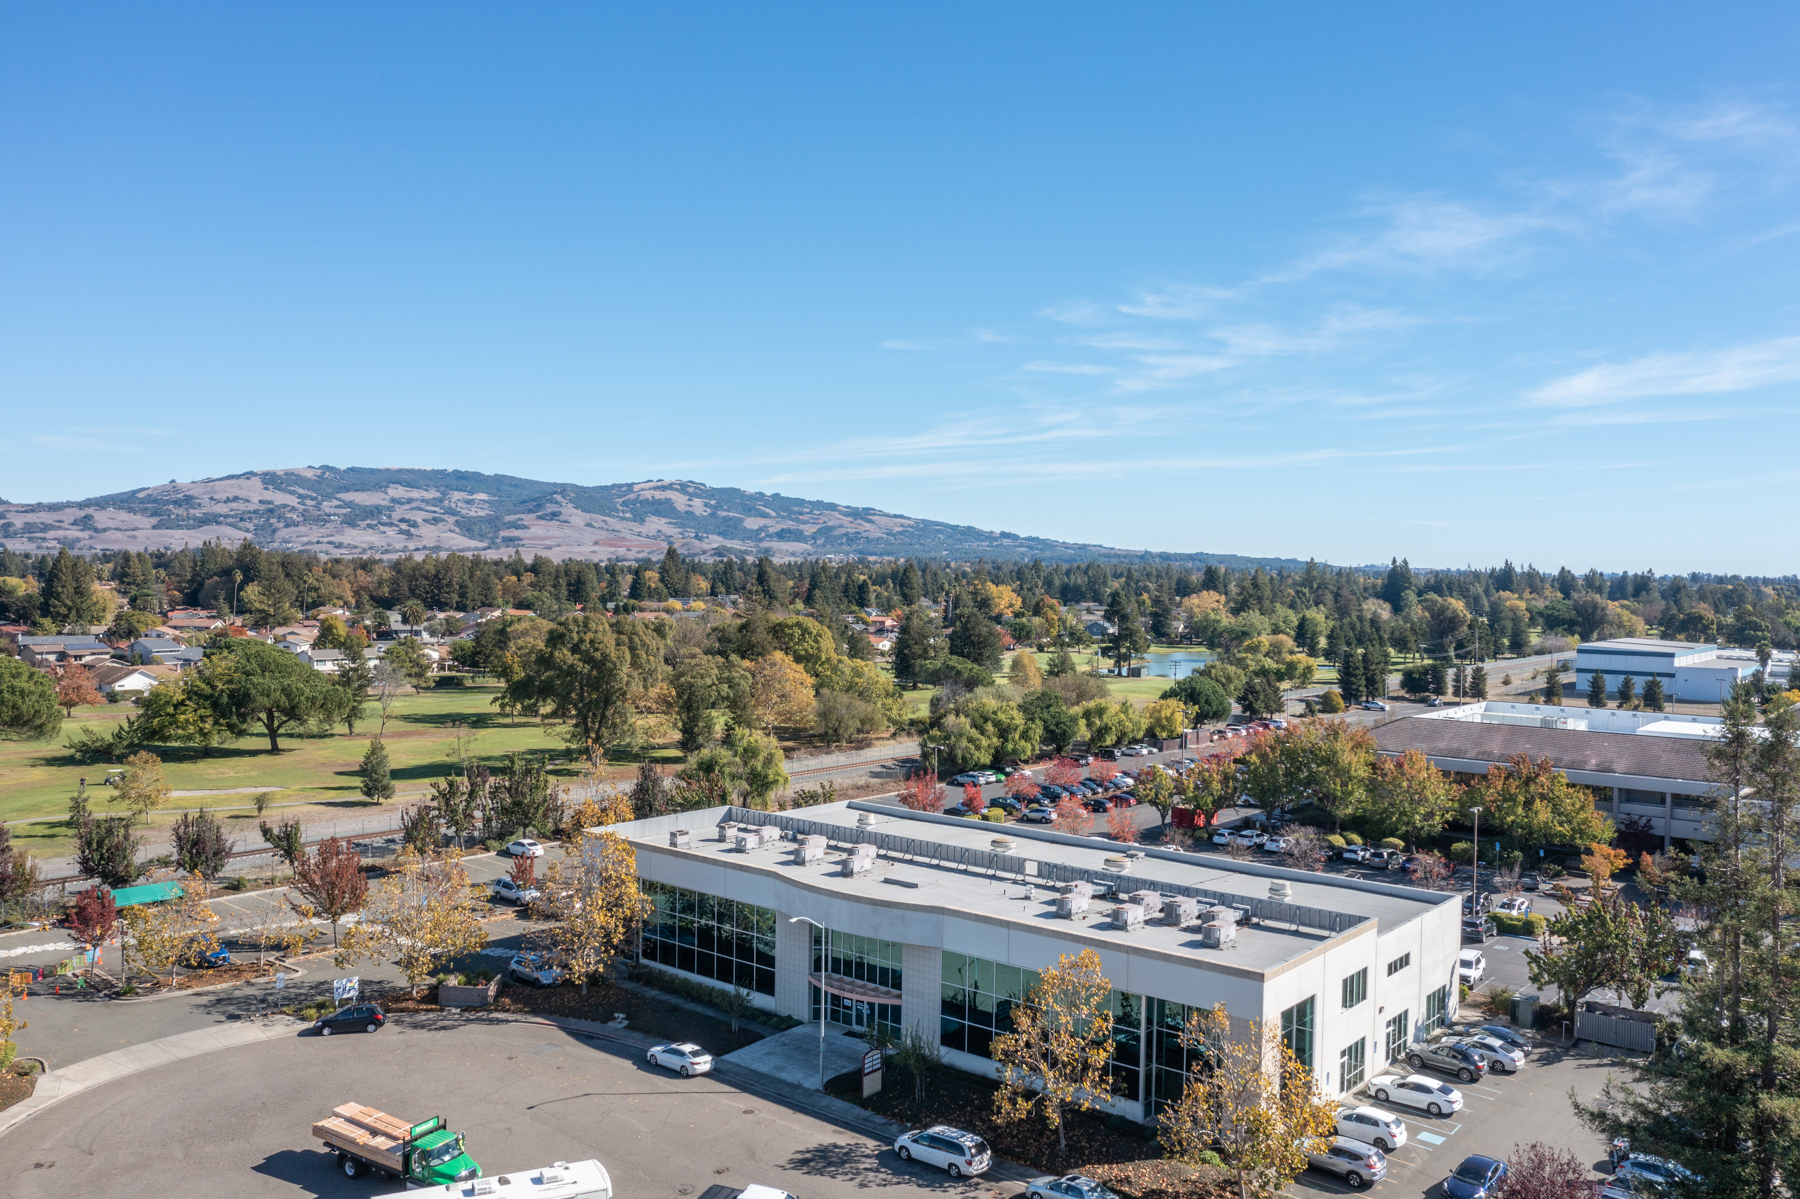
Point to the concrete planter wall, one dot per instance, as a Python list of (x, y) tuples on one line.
[(479, 996)]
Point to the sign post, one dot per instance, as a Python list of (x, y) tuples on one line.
[(871, 1072)]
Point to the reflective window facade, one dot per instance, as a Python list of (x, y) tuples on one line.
[(732, 943)]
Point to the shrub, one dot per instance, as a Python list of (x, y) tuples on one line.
[(1393, 843), (1331, 703), (451, 680), (1336, 842), (1512, 859), (1498, 997), (1528, 925), (1551, 870), (1462, 853), (1352, 838)]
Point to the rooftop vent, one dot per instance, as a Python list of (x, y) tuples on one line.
[(1280, 891), (1117, 863), (1002, 844)]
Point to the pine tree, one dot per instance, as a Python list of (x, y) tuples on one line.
[(1596, 690), (912, 587), (1627, 691), (1350, 676), (1478, 682), (377, 781), (1440, 678), (1553, 690), (1654, 699)]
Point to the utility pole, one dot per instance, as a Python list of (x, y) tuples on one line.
[(1475, 868)]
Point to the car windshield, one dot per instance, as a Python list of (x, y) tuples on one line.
[(976, 1146), (442, 1153), (1475, 1172)]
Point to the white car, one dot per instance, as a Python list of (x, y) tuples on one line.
[(1276, 845), (1500, 1057), (1416, 1091), (683, 1057), (1373, 705), (1223, 837), (525, 847), (1471, 967), (950, 1149), (1518, 905), (1357, 853), (1069, 1186), (511, 892), (536, 969), (1372, 1126), (1251, 837)]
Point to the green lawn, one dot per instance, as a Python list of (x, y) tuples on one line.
[(40, 779)]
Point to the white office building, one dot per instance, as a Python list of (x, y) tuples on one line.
[(1690, 673), (941, 924)]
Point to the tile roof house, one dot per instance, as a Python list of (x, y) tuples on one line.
[(881, 643), (110, 677)]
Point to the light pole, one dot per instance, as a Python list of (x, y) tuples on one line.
[(1475, 868), (824, 964)]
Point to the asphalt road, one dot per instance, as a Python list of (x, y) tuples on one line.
[(236, 1124)]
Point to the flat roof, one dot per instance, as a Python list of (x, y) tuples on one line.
[(1647, 643), (899, 879), (1680, 758)]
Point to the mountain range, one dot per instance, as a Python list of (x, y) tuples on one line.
[(389, 511)]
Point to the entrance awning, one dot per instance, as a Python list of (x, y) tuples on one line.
[(854, 988)]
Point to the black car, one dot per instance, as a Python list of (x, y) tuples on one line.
[(1050, 793), (1109, 755), (1005, 803), (1479, 929), (1477, 903), (359, 1017)]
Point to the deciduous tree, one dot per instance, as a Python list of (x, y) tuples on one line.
[(75, 688), (581, 674), (1254, 1104), (201, 846), (286, 838), (142, 789), (421, 916), (1055, 1059), (331, 880), (1072, 818), (92, 916), (1408, 798), (1121, 827), (781, 693), (163, 935), (922, 793), (593, 907)]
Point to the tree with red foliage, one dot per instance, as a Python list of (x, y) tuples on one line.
[(92, 917), (1102, 771), (1538, 1171), (1023, 788), (1072, 818), (971, 800), (1120, 824), (523, 873), (922, 793), (1209, 787), (1064, 772), (331, 880), (75, 688)]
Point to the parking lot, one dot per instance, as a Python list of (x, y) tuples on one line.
[(1498, 1113)]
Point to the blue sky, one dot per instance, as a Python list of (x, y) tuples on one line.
[(1332, 281)]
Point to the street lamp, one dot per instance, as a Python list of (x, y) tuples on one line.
[(1475, 868), (824, 964)]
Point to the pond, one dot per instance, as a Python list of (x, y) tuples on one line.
[(1176, 664)]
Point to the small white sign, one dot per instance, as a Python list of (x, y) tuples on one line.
[(344, 989), (280, 980)]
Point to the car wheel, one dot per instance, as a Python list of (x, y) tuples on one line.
[(1380, 1096), (1381, 1144), (1415, 1061), (325, 1030), (1434, 1109), (350, 1165), (1353, 1180), (372, 1027), (1466, 1074), (687, 1072), (955, 1170), (906, 1155)]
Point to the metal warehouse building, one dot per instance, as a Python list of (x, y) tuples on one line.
[(1694, 674), (941, 924)]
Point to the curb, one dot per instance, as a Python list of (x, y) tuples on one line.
[(57, 1085), (294, 972)]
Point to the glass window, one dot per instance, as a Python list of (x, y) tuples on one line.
[(1398, 964), (1356, 988), (1297, 1030), (1351, 1067), (1396, 1036), (699, 934), (1436, 1004), (865, 959)]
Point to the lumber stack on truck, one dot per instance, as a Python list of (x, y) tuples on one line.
[(367, 1133)]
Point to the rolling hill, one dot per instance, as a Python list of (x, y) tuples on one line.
[(387, 511)]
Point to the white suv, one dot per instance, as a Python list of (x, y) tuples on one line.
[(1372, 1126), (954, 1150)]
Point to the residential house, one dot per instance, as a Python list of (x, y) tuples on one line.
[(883, 624), (881, 643), (1098, 629), (326, 661), (121, 677), (61, 650), (146, 650)]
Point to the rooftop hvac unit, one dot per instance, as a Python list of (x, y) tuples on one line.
[(1222, 914), (856, 864), (727, 830), (679, 838), (1177, 910), (1150, 901), (1082, 888), (817, 839), (749, 838), (805, 852), (1128, 916), (1217, 934), (1070, 906), (864, 850)]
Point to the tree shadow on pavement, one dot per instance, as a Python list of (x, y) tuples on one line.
[(313, 1173), (855, 1164)]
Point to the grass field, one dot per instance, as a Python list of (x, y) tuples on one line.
[(319, 773)]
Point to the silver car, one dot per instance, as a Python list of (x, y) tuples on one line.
[(1353, 1161), (1069, 1186), (950, 1149), (1500, 1057)]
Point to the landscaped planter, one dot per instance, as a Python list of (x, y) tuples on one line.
[(476, 996)]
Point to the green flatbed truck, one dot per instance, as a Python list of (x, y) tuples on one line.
[(425, 1154)]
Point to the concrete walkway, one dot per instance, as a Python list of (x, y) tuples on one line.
[(793, 1056), (58, 1085)]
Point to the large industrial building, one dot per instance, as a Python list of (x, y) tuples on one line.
[(1641, 766), (941, 925), (1694, 674)]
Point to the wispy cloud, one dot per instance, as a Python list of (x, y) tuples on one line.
[(1419, 235), (1697, 372)]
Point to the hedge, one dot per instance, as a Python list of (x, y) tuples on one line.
[(1393, 843), (1335, 841), (1529, 925), (1352, 839)]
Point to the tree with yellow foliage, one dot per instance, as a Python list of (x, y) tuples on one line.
[(1254, 1104), (422, 915), (592, 907), (1055, 1059), (1165, 718), (1027, 675), (781, 693), (1601, 862), (162, 935)]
